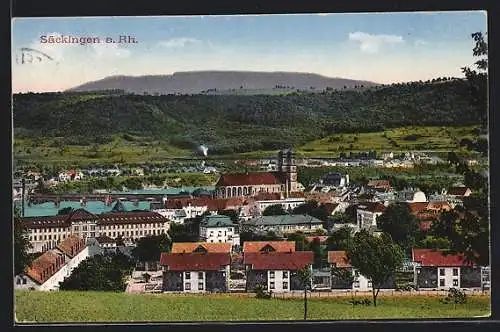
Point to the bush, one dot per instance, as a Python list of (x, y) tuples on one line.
[(455, 296), (364, 301), (260, 293)]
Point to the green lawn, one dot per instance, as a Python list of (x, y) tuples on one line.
[(64, 306)]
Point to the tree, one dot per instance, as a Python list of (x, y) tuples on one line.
[(233, 214), (467, 229), (305, 277), (22, 244), (478, 79), (149, 248), (376, 258), (274, 210), (319, 253), (400, 224), (340, 239), (311, 208), (300, 240)]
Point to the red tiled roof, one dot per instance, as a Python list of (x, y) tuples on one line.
[(179, 247), (296, 194), (81, 214), (417, 207), (431, 257), (46, 221), (251, 178), (457, 191), (322, 239), (339, 258), (45, 266), (279, 246), (379, 183), (131, 218), (195, 261), (294, 260), (372, 207), (439, 205), (72, 245), (179, 203)]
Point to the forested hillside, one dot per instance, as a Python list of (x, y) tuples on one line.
[(239, 123)]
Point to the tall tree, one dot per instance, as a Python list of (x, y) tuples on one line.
[(478, 79), (305, 277), (22, 244), (340, 239), (274, 210), (375, 257), (300, 240), (398, 222), (313, 209)]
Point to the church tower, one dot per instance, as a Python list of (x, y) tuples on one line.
[(286, 164)]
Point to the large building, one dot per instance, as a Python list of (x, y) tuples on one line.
[(53, 266), (47, 232), (219, 229), (288, 223), (284, 180)]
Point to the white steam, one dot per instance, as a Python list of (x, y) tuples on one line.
[(204, 149)]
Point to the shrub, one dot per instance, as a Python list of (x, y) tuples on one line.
[(364, 301), (455, 296), (260, 293)]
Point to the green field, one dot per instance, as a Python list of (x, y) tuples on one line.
[(65, 306), (438, 139)]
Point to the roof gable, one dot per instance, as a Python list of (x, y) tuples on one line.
[(291, 260), (251, 178), (278, 246), (187, 247), (431, 257), (195, 261)]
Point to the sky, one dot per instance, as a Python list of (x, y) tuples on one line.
[(378, 47)]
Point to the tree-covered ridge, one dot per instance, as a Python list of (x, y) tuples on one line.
[(238, 123)]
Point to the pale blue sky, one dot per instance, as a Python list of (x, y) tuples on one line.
[(382, 47)]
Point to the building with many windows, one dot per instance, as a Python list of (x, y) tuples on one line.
[(288, 223), (219, 229), (46, 232)]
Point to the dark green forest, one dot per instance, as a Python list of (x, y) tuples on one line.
[(239, 123)]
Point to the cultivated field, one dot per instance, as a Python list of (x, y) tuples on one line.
[(438, 139), (45, 307)]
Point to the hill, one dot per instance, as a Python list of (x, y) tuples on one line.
[(238, 123), (225, 82)]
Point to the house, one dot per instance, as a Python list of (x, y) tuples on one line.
[(459, 192), (339, 262), (333, 180), (379, 185), (265, 200), (427, 212), (288, 223), (46, 232), (268, 246), (53, 266), (276, 271), (284, 180), (440, 271), (188, 247), (106, 243), (367, 213), (71, 175), (195, 272), (219, 229)]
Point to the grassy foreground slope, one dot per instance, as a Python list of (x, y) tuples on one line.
[(33, 306)]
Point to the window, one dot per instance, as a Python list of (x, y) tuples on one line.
[(441, 272), (271, 274), (187, 286), (455, 272), (285, 285), (188, 275), (441, 282), (200, 286), (271, 285), (455, 282), (356, 284), (369, 284), (200, 275), (18, 281), (285, 274)]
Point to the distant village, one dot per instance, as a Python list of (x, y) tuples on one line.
[(222, 259)]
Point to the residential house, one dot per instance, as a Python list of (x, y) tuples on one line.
[(71, 175), (427, 212), (459, 192), (188, 247), (379, 185), (440, 271), (219, 229), (53, 266), (411, 196), (265, 200), (106, 243), (195, 272), (268, 246), (276, 271), (367, 214), (339, 262), (288, 223)]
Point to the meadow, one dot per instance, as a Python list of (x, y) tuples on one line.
[(80, 307)]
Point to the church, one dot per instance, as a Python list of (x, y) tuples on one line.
[(249, 184)]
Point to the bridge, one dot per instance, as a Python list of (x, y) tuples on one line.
[(83, 198)]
